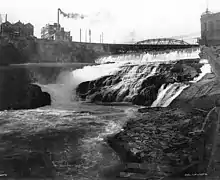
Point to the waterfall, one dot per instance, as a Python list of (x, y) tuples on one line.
[(134, 71), (158, 56), (168, 94)]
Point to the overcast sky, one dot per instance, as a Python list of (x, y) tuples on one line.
[(119, 20)]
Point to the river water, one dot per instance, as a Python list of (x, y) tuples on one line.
[(79, 151), (83, 153)]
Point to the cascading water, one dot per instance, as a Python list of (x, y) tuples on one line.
[(80, 152), (135, 69), (168, 94), (169, 55)]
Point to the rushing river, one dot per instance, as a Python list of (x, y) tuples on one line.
[(84, 145), (75, 130), (79, 151)]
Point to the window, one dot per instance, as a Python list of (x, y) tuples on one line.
[(211, 27), (218, 24)]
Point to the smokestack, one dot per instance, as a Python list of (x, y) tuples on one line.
[(58, 18), (6, 18), (80, 32), (102, 37), (90, 34)]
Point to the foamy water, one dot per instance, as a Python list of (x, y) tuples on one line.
[(192, 53), (145, 65), (90, 154)]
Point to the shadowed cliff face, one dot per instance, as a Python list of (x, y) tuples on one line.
[(141, 84), (17, 92)]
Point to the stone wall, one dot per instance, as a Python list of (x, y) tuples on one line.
[(38, 51), (23, 50)]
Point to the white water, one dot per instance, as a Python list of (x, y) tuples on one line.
[(132, 77), (192, 53), (168, 94), (206, 68)]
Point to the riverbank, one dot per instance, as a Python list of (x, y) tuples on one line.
[(165, 142)]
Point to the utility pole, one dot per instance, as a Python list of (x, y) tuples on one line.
[(58, 18), (90, 34), (80, 32), (86, 35)]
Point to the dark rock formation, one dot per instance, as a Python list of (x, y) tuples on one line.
[(201, 95), (165, 140), (140, 87), (17, 92)]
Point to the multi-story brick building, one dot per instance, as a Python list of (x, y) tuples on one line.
[(210, 28), (55, 32), (17, 29)]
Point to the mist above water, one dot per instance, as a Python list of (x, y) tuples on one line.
[(158, 56), (63, 91)]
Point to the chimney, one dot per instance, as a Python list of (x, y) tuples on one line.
[(80, 34), (90, 34)]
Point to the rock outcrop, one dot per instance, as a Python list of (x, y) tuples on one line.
[(139, 84), (17, 91), (201, 95), (166, 141)]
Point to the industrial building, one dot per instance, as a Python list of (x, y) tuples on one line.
[(210, 28), (55, 32), (17, 29)]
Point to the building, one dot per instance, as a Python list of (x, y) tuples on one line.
[(55, 32), (48, 31), (17, 29), (210, 28)]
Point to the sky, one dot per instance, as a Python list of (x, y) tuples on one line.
[(120, 21)]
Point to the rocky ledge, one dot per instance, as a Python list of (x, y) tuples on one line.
[(165, 142), (29, 98), (17, 91), (139, 84)]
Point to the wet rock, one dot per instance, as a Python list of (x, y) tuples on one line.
[(160, 137), (201, 95), (137, 84), (83, 88), (17, 92), (121, 95), (97, 96), (35, 98)]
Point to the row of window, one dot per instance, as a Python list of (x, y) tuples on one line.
[(210, 26)]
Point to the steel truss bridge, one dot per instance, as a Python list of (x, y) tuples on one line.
[(163, 41)]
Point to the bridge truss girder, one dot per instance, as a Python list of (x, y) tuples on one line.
[(163, 41)]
